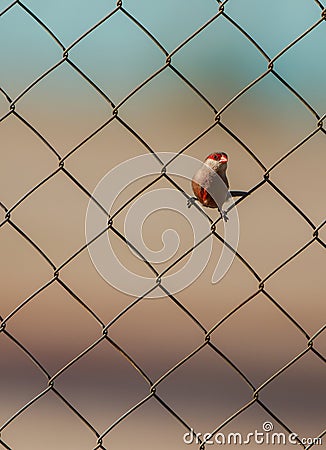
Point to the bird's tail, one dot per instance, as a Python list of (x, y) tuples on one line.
[(238, 193)]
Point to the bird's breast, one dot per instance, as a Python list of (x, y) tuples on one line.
[(210, 187)]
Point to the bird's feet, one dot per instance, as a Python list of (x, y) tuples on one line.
[(191, 201), (224, 216)]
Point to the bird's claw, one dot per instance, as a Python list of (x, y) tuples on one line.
[(191, 201), (224, 216)]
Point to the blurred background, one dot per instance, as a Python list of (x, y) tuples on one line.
[(63, 109)]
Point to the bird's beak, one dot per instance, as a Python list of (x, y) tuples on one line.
[(223, 159)]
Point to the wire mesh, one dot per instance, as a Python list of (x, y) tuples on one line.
[(217, 121)]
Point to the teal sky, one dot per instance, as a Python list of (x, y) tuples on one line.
[(118, 56)]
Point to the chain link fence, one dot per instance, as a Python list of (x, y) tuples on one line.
[(101, 436)]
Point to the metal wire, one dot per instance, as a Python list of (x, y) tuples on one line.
[(217, 121)]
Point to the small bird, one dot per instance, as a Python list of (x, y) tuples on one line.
[(210, 184)]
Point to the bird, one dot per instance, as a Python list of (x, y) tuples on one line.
[(210, 184)]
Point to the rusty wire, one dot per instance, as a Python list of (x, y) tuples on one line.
[(217, 121)]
